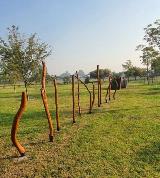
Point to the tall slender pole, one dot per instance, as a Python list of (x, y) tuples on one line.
[(109, 88), (98, 85), (100, 91), (90, 103), (78, 90), (56, 103), (73, 99), (93, 92)]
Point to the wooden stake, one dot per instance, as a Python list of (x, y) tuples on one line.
[(56, 103), (90, 103), (45, 102), (100, 95), (15, 125), (98, 85), (78, 90), (109, 88), (73, 99), (93, 92)]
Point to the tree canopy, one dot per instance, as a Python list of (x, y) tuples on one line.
[(21, 56), (150, 47), (103, 73)]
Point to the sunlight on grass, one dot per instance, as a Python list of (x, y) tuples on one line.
[(120, 139)]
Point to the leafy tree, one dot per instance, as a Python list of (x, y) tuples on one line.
[(148, 57), (66, 79), (93, 74), (103, 73), (81, 73), (136, 72), (65, 74), (118, 74), (152, 35), (86, 81), (142, 72), (128, 69), (3, 79), (155, 66), (106, 73), (151, 47), (127, 65), (21, 56)]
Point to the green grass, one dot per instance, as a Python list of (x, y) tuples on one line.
[(120, 139)]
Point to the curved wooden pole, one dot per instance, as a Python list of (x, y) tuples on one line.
[(56, 103), (90, 95), (45, 102), (15, 124)]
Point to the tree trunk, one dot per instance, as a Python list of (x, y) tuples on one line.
[(135, 77), (14, 88), (26, 91), (152, 79), (147, 72)]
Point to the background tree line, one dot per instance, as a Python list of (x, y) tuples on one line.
[(21, 57), (150, 49)]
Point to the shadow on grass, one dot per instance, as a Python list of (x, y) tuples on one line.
[(149, 154), (120, 110), (6, 119), (18, 95), (150, 93), (8, 96)]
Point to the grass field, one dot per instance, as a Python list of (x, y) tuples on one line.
[(120, 139)]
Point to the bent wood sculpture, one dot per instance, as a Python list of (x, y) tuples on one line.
[(15, 125), (45, 102), (91, 102)]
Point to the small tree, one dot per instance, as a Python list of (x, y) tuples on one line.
[(151, 47), (66, 79), (103, 73), (136, 72), (81, 73), (86, 81), (128, 69), (22, 56)]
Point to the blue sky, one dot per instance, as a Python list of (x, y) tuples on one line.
[(83, 33)]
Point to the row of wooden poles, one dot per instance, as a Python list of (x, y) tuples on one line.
[(24, 100)]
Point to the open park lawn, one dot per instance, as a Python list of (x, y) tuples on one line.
[(119, 139)]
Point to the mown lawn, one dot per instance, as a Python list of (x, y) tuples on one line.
[(120, 139)]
